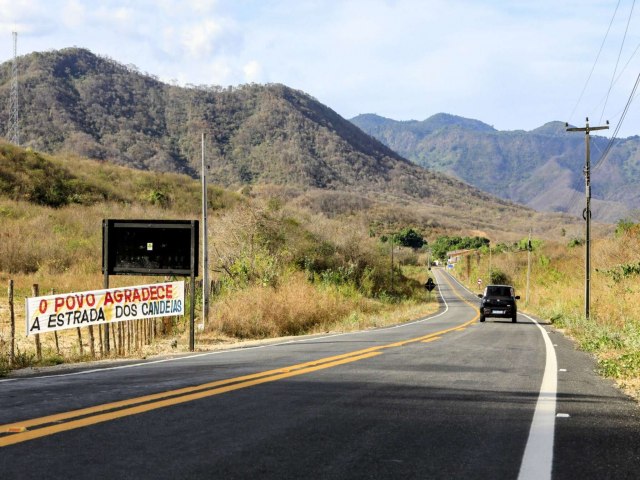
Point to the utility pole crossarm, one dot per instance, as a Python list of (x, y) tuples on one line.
[(587, 128)]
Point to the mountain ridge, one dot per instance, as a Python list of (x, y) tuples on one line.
[(75, 101), (541, 168)]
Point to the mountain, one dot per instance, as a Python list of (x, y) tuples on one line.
[(542, 168), (75, 101)]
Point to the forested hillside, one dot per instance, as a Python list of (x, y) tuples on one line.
[(542, 168), (75, 101)]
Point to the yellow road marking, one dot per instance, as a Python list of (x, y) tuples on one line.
[(104, 417), (17, 429), (111, 411), (431, 339), (171, 393), (464, 325)]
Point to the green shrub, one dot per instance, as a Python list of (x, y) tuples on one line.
[(575, 242), (498, 277)]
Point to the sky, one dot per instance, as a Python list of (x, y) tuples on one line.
[(515, 65)]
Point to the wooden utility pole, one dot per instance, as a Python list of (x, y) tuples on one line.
[(586, 213), (205, 248), (529, 248), (12, 318)]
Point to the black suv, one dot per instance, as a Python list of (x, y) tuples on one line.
[(499, 301)]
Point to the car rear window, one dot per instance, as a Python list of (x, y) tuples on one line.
[(499, 291)]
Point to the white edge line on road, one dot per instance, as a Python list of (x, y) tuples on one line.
[(219, 352), (537, 460), (538, 454)]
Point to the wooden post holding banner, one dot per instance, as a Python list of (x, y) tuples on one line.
[(55, 333), (12, 319), (114, 339), (100, 341), (80, 347), (34, 290), (92, 342), (121, 339)]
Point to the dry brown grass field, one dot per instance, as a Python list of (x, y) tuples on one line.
[(278, 268), (556, 294), (286, 261)]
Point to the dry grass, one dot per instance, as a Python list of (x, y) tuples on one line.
[(557, 293), (263, 244), (292, 308), (297, 307)]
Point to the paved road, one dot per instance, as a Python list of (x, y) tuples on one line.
[(442, 397)]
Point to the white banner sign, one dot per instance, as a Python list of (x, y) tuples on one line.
[(71, 310)]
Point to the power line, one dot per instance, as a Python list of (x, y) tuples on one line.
[(596, 61), (615, 70), (619, 114), (615, 133), (618, 78)]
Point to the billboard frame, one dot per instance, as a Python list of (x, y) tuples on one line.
[(109, 228)]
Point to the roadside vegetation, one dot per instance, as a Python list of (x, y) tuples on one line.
[(277, 269), (285, 262), (556, 292)]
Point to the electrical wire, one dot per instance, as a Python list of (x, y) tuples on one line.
[(615, 133), (615, 70), (595, 63), (619, 114), (618, 78)]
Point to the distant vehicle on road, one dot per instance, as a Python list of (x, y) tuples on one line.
[(499, 301)]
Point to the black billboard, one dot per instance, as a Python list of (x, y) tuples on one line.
[(150, 247)]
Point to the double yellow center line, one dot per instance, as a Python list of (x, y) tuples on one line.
[(18, 432)]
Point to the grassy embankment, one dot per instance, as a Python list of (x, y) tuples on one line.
[(278, 270), (556, 293)]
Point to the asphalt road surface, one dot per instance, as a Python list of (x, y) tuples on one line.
[(442, 397)]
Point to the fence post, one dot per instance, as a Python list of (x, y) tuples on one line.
[(92, 342), (80, 341), (12, 317), (35, 292), (55, 332), (129, 333), (113, 339), (100, 341)]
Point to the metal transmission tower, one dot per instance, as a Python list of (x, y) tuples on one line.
[(586, 214), (14, 131)]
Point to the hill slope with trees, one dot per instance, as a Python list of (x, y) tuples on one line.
[(75, 101), (542, 169)]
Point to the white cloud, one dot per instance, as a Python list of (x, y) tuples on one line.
[(209, 36), (118, 18), (512, 64), (73, 14), (199, 39), (252, 71)]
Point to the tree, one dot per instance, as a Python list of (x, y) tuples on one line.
[(408, 237), (445, 244)]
